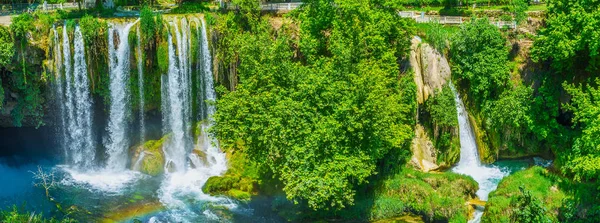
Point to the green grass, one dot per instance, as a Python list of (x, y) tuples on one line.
[(563, 199), (193, 7), (15, 215), (433, 196)]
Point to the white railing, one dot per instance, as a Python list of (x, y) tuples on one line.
[(420, 17), (280, 6), (21, 7)]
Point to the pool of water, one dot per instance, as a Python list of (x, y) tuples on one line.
[(121, 197)]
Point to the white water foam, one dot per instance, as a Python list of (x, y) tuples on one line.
[(488, 176), (118, 140), (101, 181), (185, 183)]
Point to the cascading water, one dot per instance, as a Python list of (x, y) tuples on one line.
[(487, 176), (180, 186), (74, 97), (214, 156), (177, 116), (59, 92), (140, 67), (118, 143)]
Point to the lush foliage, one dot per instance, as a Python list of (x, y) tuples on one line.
[(528, 208), (15, 215), (511, 113), (437, 197), (27, 78), (6, 55), (537, 195), (570, 43), (479, 55), (340, 108), (570, 38), (442, 108), (584, 161), (441, 121), (519, 8), (6, 47)]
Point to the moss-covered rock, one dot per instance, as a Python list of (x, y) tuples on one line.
[(241, 181), (152, 161), (486, 153)]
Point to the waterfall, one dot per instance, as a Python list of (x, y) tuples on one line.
[(118, 143), (487, 176), (177, 104), (73, 97), (59, 93), (210, 147), (140, 67), (179, 186)]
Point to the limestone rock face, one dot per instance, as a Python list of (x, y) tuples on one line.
[(431, 69), (424, 153)]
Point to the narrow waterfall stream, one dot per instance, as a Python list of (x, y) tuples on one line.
[(118, 141), (140, 70), (487, 176)]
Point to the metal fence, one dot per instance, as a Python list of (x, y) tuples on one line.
[(23, 7), (420, 17), (280, 6)]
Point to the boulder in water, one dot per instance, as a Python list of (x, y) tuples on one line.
[(149, 158)]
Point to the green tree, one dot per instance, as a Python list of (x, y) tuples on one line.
[(321, 121), (7, 50), (511, 114), (479, 57), (528, 209), (6, 55), (570, 38), (584, 158), (519, 9)]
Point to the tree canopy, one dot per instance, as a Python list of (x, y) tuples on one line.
[(571, 38), (321, 121), (479, 56)]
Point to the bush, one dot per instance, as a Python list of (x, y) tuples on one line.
[(479, 58), (537, 195), (17, 216), (434, 196)]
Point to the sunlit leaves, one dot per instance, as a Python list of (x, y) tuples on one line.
[(323, 120)]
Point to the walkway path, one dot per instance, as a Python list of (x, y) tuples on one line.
[(419, 17), (5, 20)]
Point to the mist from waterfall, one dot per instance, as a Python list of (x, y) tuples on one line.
[(118, 53)]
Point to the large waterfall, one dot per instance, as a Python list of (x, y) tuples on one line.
[(73, 97), (182, 185), (487, 176), (118, 141), (177, 116), (187, 93)]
